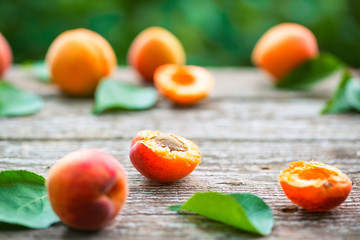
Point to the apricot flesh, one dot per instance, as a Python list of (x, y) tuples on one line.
[(5, 55), (315, 186), (87, 189), (152, 48), (283, 48), (78, 60), (163, 157), (183, 85)]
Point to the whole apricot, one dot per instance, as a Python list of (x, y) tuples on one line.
[(184, 85), (152, 48), (78, 60), (315, 186), (87, 188), (5, 55), (283, 48), (163, 157)]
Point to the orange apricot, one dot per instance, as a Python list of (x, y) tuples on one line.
[(283, 48), (163, 157), (87, 188), (315, 186), (5, 55), (184, 85), (78, 60), (153, 47)]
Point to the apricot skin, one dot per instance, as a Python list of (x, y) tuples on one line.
[(78, 60), (87, 189), (5, 55), (161, 167), (153, 47), (283, 48)]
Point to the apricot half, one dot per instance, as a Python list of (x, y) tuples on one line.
[(163, 157), (283, 48), (5, 55), (87, 188), (184, 85), (315, 186), (153, 47), (78, 60)]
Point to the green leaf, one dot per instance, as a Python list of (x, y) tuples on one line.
[(338, 102), (242, 210), (352, 93), (15, 102), (39, 69), (24, 200), (115, 95), (311, 72)]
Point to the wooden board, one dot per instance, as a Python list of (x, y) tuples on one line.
[(247, 132)]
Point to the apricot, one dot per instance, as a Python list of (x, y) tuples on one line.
[(184, 85), (163, 157), (283, 48), (315, 186), (5, 55), (154, 47), (78, 60), (87, 188)]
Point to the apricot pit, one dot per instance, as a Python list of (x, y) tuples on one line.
[(166, 140)]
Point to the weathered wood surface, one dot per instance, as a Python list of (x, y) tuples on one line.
[(247, 133)]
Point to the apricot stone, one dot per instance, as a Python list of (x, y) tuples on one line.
[(283, 48), (5, 55), (87, 188), (78, 60), (152, 48)]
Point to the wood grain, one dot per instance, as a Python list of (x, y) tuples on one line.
[(247, 132)]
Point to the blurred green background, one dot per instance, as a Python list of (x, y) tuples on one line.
[(213, 32)]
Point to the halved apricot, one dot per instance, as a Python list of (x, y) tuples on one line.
[(315, 186), (163, 157), (184, 85)]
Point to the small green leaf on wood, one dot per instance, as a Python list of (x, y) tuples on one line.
[(311, 72), (242, 210), (24, 201), (115, 95), (352, 93), (39, 69), (16, 102), (338, 102)]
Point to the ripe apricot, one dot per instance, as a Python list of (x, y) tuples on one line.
[(5, 55), (315, 186), (163, 157), (78, 59), (283, 48), (87, 188), (184, 85), (153, 47)]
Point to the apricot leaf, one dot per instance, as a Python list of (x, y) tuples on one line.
[(115, 95), (352, 93), (241, 210), (39, 69), (24, 200), (338, 102), (311, 72), (15, 102)]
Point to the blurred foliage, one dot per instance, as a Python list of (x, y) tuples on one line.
[(213, 32)]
